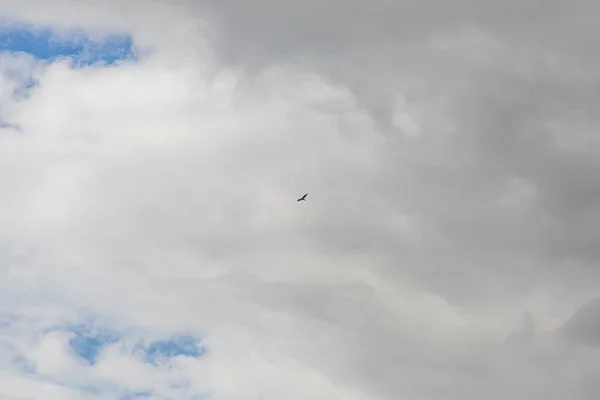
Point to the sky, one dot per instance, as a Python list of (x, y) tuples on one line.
[(151, 155), (44, 43)]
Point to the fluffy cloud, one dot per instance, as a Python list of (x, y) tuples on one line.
[(445, 248)]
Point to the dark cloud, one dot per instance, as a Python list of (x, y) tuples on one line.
[(584, 325)]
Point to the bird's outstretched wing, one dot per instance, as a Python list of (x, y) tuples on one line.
[(303, 197)]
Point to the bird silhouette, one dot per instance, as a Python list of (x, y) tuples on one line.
[(303, 198)]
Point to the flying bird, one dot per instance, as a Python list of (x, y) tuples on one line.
[(303, 198)]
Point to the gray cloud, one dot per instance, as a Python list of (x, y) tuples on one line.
[(584, 325)]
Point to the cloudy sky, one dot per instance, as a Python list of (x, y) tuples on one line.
[(151, 245)]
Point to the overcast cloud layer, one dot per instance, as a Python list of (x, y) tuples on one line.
[(448, 247)]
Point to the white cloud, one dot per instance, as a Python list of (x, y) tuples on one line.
[(128, 180)]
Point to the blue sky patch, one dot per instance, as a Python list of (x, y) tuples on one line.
[(135, 396), (90, 339), (179, 345), (88, 342), (45, 44)]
